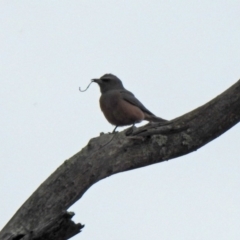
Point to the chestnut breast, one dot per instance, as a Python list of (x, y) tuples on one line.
[(118, 111)]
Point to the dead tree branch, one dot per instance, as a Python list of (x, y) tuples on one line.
[(44, 216)]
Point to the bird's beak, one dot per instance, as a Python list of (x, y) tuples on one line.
[(97, 80)]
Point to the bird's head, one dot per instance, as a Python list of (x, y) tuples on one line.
[(108, 82)]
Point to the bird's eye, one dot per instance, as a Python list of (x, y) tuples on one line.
[(105, 80)]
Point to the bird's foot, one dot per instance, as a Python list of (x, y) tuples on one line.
[(130, 130)]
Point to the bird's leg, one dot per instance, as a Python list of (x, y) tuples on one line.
[(130, 130), (114, 129)]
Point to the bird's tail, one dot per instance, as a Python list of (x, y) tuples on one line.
[(153, 118)]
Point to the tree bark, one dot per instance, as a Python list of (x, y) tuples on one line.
[(44, 215)]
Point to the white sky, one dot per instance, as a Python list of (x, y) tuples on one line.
[(174, 56)]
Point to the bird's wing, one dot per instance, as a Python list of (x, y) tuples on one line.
[(129, 97)]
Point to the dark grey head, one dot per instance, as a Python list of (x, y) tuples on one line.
[(108, 82)]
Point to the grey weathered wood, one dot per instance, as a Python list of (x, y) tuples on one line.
[(44, 216)]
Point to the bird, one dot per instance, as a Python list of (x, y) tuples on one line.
[(119, 106)]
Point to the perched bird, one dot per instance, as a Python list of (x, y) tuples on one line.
[(119, 106)]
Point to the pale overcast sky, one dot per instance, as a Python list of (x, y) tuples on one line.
[(174, 56)]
